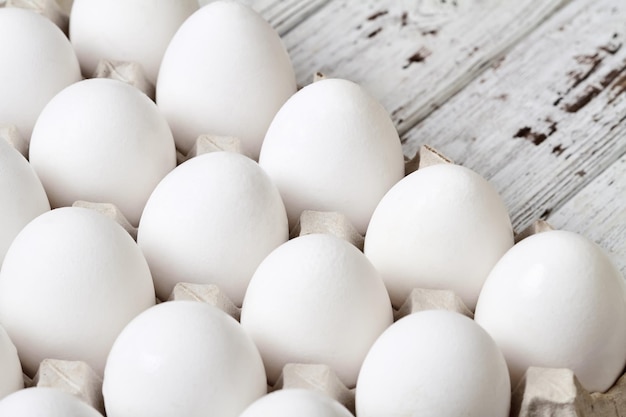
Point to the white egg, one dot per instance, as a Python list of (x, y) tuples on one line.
[(225, 72), (441, 227), (556, 300), (38, 62), (316, 299), (333, 147), (71, 280), (102, 140), (22, 197), (212, 220), (137, 31), (296, 402), (182, 358), (45, 402), (11, 378), (434, 363)]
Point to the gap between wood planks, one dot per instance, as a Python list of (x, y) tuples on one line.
[(414, 58), (285, 15), (549, 118), (605, 197), (410, 55)]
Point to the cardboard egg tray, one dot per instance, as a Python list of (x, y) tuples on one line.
[(58, 11), (543, 392)]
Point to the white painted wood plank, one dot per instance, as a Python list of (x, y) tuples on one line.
[(547, 119), (283, 15), (412, 55), (598, 211)]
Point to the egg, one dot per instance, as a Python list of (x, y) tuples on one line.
[(38, 62), (226, 73), (434, 363), (441, 227), (316, 299), (182, 358), (22, 197), (296, 402), (557, 300), (11, 378), (136, 31), (70, 281), (45, 402), (104, 141), (211, 220), (333, 147)]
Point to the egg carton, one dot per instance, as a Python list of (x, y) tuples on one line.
[(74, 377), (125, 71), (58, 11), (542, 392), (10, 134)]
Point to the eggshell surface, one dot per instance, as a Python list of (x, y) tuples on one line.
[(136, 31), (333, 147), (225, 72), (11, 378), (557, 300), (212, 220), (38, 62), (441, 227), (433, 363), (296, 402), (45, 402), (71, 280), (316, 299), (114, 146), (182, 358), (22, 197)]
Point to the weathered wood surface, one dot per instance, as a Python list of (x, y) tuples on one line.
[(538, 109), (411, 55), (284, 15), (553, 392), (544, 120), (598, 211), (547, 118)]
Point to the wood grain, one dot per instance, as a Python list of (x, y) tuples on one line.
[(547, 118), (284, 15), (598, 211), (411, 55)]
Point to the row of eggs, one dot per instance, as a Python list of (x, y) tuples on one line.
[(72, 281), (169, 358)]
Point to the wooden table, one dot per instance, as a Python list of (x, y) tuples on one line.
[(529, 93)]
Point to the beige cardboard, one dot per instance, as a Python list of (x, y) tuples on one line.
[(537, 226), (211, 143), (421, 299), (53, 10), (332, 223), (111, 211), (13, 137), (316, 377), (207, 293), (553, 392), (73, 377), (128, 72)]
